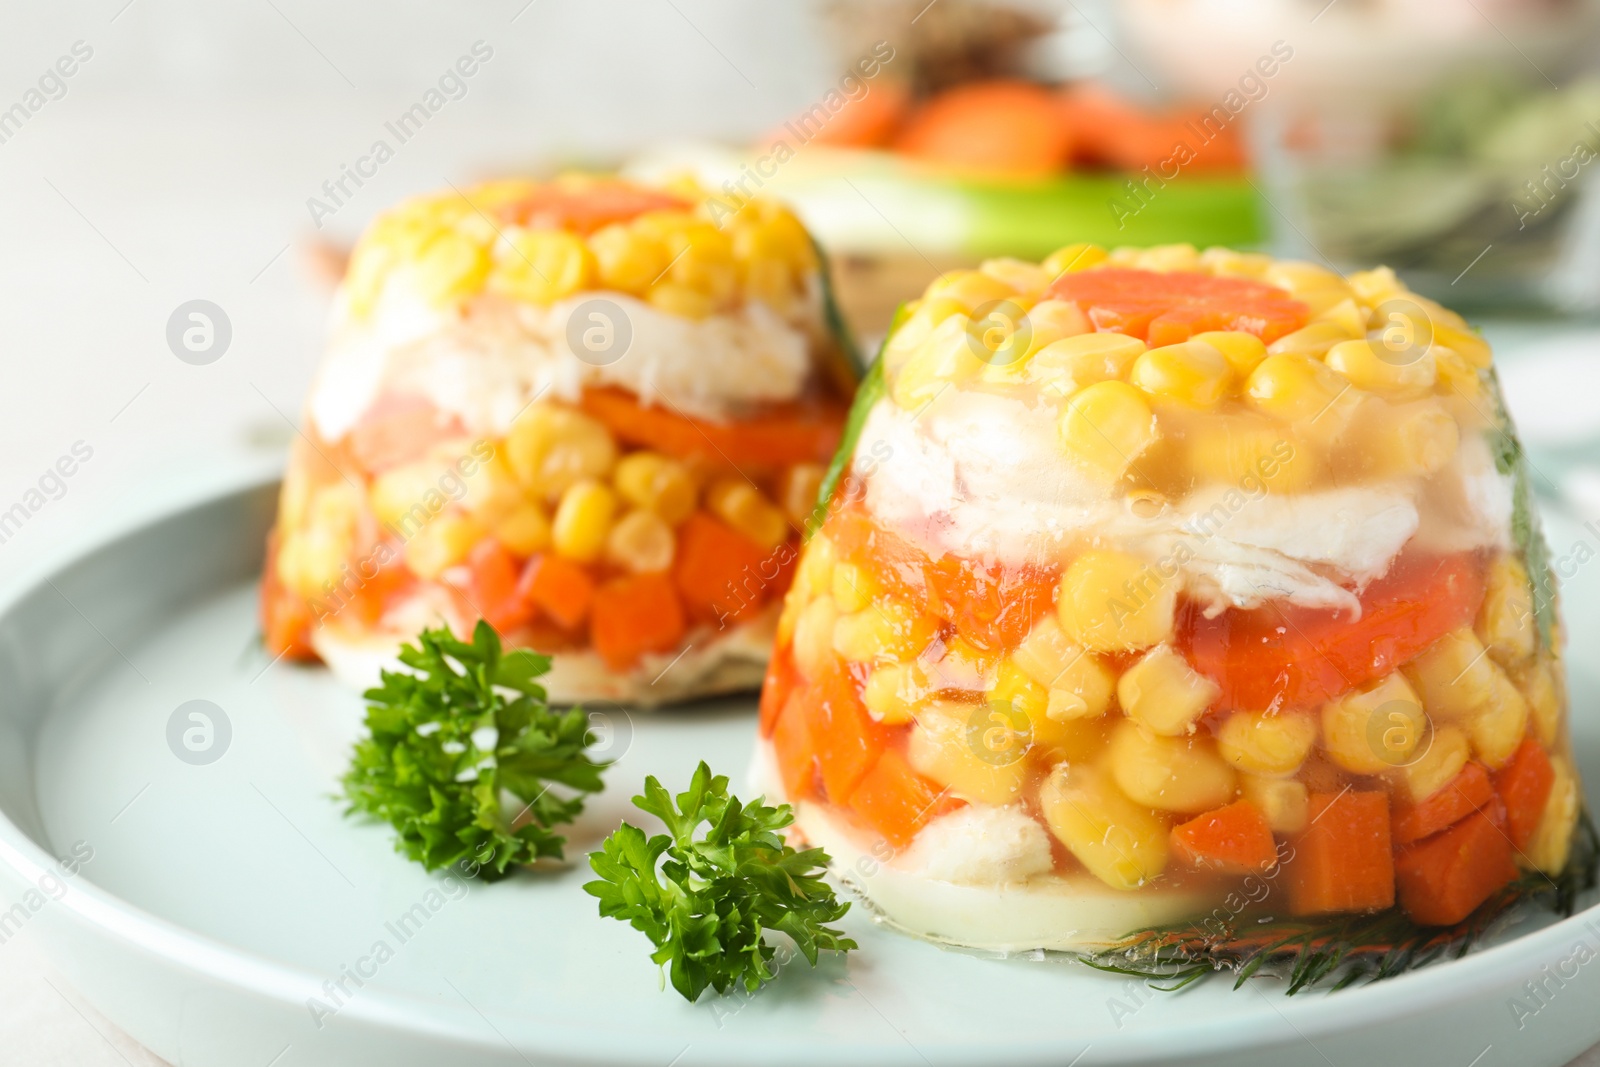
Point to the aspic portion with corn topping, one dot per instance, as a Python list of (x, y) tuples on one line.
[(1156, 576), (589, 411)]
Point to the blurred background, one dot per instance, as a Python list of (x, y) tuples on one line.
[(157, 152)]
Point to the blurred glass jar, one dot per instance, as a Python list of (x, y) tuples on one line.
[(1428, 135)]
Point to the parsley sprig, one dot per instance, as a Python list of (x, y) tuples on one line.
[(706, 901), (446, 737)]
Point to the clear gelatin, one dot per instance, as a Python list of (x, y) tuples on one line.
[(589, 411), (1171, 601)]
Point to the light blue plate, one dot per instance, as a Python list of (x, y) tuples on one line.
[(223, 903)]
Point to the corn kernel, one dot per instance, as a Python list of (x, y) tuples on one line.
[(1444, 753), (1115, 602), (641, 542), (627, 260), (948, 356), (1267, 743), (1164, 693), (853, 587), (1374, 729), (1468, 345), (1068, 364), (583, 521), (960, 664), (1457, 377), (925, 316), (442, 544), (1025, 279), (651, 480), (1226, 263), (1505, 621), (448, 267), (1298, 275), (1552, 841), (1249, 451), (1078, 683), (677, 299), (542, 266), (1302, 390), (974, 751), (552, 448), (1407, 440), (1541, 683), (524, 530), (798, 490), (895, 692), (1348, 315), (813, 575), (969, 288), (1369, 365), (1323, 301), (813, 637), (1106, 427), (1014, 689), (741, 505), (1169, 773), (1169, 258), (1313, 340), (1284, 802), (492, 488), (1453, 676), (885, 632), (1499, 726), (1118, 841), (1191, 373), (405, 498), (1376, 285), (1051, 320), (1243, 351), (1072, 258)]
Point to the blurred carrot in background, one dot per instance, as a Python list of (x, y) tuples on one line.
[(999, 127)]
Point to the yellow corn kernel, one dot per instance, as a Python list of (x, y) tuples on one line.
[(1542, 684), (492, 488), (895, 692), (651, 480), (627, 260), (1457, 377), (1468, 345), (949, 356), (1169, 258), (542, 266), (1191, 373), (1115, 602), (1371, 366), (1374, 729), (813, 575), (680, 300), (1297, 388), (524, 529), (1499, 726), (969, 288), (787, 618), (1068, 364), (1051, 320), (552, 448), (741, 505), (1072, 258), (448, 267), (973, 750), (1243, 351), (885, 632), (1376, 285), (1164, 693), (583, 521), (1453, 676), (1267, 743), (797, 492), (1023, 278), (1284, 802), (1169, 773), (367, 273), (1248, 451), (1313, 340), (960, 664), (641, 542), (1298, 275), (309, 558), (1226, 263), (1078, 683), (1407, 440), (1505, 621), (853, 587), (1324, 301), (1444, 753), (1552, 841), (442, 544), (1118, 841), (924, 317), (1348, 315), (702, 260), (771, 282), (1105, 429), (813, 637), (405, 498), (1014, 690)]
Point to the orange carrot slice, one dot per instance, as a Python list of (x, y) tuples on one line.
[(633, 615), (1165, 309), (719, 571), (896, 801), (847, 739), (1342, 860), (1524, 784), (864, 122), (794, 750), (1234, 838), (493, 587), (1005, 127), (1443, 879), (775, 689), (1464, 794), (562, 589), (587, 208), (776, 435)]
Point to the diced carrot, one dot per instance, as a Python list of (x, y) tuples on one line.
[(588, 207), (285, 617), (866, 121), (775, 688), (633, 615), (1110, 131), (718, 570), (560, 588), (1234, 838), (492, 588), (1524, 784), (847, 738), (1164, 309), (1342, 859), (896, 564), (993, 604), (1012, 128), (896, 801), (1299, 657), (398, 429), (802, 431), (1443, 880), (1464, 794), (794, 750)]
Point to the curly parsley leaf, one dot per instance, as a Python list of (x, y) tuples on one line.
[(706, 900), (446, 737)]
